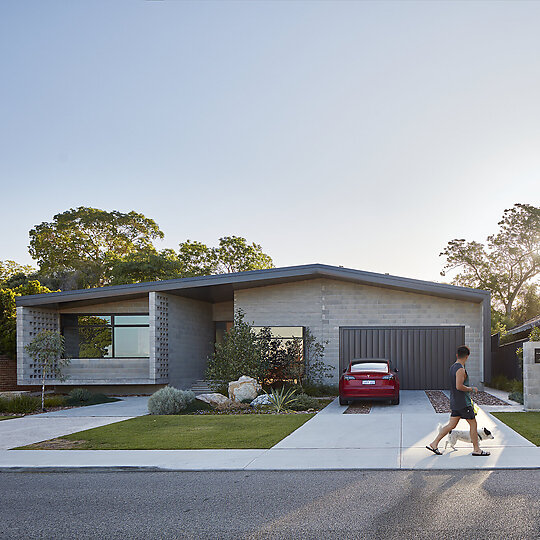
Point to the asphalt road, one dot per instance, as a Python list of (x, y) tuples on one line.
[(306, 505)]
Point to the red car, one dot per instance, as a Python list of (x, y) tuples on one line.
[(369, 378)]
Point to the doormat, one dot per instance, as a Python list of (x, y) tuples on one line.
[(359, 407)]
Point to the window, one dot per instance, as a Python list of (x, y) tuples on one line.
[(106, 336), (283, 334), (370, 366)]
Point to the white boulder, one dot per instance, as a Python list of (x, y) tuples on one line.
[(263, 399), (244, 388), (214, 399)]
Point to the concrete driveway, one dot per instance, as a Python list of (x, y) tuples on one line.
[(41, 427), (393, 436)]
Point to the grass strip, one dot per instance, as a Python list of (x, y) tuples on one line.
[(526, 424), (189, 432), (8, 417)]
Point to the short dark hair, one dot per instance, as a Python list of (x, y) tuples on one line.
[(463, 351)]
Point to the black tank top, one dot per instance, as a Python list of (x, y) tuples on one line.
[(458, 399)]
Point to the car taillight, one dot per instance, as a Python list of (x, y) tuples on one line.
[(349, 377), (388, 377)]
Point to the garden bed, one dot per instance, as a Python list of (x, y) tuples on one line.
[(26, 405), (441, 403), (359, 407), (182, 432)]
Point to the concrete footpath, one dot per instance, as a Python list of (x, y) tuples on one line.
[(390, 437)]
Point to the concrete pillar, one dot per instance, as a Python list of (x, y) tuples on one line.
[(531, 375)]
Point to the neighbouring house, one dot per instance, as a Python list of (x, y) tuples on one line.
[(504, 358), (135, 338)]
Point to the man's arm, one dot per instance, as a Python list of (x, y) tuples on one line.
[(460, 380)]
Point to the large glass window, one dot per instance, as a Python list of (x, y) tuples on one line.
[(106, 336)]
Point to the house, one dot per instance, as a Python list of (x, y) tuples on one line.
[(135, 338)]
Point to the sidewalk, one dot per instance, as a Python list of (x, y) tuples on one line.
[(390, 437)]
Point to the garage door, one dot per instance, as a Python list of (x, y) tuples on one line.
[(422, 354)]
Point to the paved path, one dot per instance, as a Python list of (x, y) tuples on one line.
[(390, 437), (41, 427)]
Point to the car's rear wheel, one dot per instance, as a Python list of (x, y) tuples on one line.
[(395, 401), (343, 401)]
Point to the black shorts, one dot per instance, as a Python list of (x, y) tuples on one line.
[(467, 413)]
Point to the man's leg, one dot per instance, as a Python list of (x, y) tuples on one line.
[(474, 434), (445, 431)]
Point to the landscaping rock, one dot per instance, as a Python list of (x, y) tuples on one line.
[(244, 388), (214, 399), (263, 399)]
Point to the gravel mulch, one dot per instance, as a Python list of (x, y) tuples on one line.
[(441, 403), (359, 407), (483, 398)]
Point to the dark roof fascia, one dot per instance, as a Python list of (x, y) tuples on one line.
[(257, 278), (527, 325)]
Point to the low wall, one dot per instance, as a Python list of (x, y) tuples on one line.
[(531, 375), (8, 376)]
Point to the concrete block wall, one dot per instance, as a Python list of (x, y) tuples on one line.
[(30, 322), (191, 340), (531, 377), (92, 371), (324, 305), (159, 337), (223, 311)]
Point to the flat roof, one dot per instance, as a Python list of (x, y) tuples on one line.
[(221, 287)]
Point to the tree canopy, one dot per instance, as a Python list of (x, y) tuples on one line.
[(87, 242), (8, 326), (9, 269), (507, 264)]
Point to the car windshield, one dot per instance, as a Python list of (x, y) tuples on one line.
[(371, 366)]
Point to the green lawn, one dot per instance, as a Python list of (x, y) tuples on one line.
[(525, 423), (7, 417), (174, 432)]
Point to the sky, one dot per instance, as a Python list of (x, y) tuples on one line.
[(362, 134)]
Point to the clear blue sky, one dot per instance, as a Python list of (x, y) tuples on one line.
[(363, 134)]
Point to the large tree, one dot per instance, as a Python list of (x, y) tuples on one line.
[(9, 269), (87, 242), (8, 319), (508, 262), (147, 266), (233, 254)]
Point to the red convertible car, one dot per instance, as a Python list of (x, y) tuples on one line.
[(369, 378)]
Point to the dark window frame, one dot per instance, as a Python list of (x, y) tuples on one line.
[(112, 325)]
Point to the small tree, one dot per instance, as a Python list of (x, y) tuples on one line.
[(238, 354), (314, 367), (46, 350)]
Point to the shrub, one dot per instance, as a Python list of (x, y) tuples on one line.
[(170, 400), (516, 396), (320, 390), (79, 394), (20, 405), (501, 382), (304, 402), (55, 401), (282, 399)]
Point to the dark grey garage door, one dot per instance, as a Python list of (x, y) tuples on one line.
[(422, 354)]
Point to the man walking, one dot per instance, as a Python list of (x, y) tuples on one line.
[(460, 404)]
